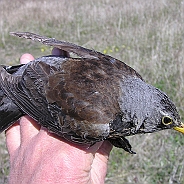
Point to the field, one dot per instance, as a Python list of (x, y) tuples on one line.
[(147, 35)]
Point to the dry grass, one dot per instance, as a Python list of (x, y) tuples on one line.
[(148, 35)]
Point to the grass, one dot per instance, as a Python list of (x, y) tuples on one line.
[(147, 35)]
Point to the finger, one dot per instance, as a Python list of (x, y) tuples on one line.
[(28, 129), (94, 148), (13, 138), (59, 52), (100, 162), (105, 149), (102, 154), (26, 58)]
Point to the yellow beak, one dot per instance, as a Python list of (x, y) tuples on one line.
[(180, 129)]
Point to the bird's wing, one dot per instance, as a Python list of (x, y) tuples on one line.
[(61, 97)]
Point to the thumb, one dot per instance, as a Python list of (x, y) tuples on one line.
[(25, 58)]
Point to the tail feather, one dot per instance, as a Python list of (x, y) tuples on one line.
[(76, 49), (9, 112), (63, 45)]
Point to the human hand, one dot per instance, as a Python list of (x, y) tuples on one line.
[(37, 156)]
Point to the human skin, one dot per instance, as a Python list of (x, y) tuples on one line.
[(40, 157)]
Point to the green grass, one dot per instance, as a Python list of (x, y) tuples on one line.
[(147, 35)]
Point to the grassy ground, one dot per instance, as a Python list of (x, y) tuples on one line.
[(147, 35)]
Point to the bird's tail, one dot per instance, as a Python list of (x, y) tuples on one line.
[(66, 46), (9, 111)]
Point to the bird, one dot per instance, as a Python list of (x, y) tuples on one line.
[(85, 99)]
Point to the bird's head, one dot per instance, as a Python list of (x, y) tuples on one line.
[(146, 109)]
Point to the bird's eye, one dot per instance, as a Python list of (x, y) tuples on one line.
[(166, 120)]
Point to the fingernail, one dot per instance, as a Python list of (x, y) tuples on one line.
[(59, 52)]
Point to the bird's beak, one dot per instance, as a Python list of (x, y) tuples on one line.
[(180, 128)]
